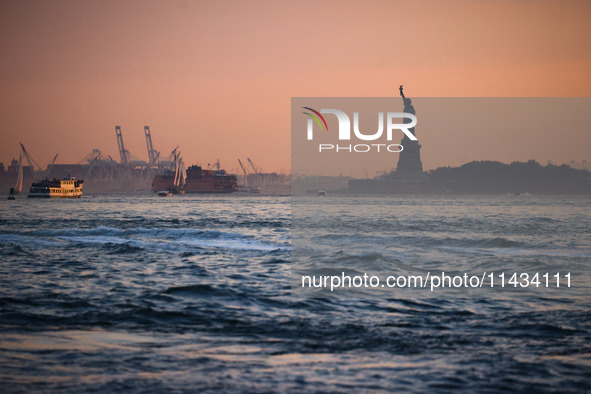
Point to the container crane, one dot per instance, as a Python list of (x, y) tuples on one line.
[(123, 153), (50, 166), (172, 155), (254, 168), (30, 159), (152, 153), (244, 171)]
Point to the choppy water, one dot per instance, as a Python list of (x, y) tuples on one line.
[(193, 293)]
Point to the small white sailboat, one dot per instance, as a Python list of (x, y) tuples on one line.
[(19, 180)]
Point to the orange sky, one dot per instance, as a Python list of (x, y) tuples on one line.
[(216, 77)]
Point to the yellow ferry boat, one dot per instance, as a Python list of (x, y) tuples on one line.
[(68, 187)]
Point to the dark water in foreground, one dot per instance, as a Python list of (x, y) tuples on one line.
[(193, 293)]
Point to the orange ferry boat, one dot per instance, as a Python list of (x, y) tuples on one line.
[(198, 180)]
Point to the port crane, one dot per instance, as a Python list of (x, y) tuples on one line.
[(244, 171), (152, 153), (123, 153), (168, 162), (256, 169), (100, 166), (30, 159), (35, 165), (96, 155), (50, 166)]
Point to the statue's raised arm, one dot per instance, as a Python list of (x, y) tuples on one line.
[(408, 107)]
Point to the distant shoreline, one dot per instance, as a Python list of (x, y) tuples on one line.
[(476, 177)]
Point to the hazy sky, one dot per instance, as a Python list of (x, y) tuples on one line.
[(216, 77)]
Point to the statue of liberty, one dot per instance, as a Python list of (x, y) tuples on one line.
[(410, 157), (407, 103), (408, 108)]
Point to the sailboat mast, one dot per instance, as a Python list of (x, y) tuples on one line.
[(182, 173), (176, 170)]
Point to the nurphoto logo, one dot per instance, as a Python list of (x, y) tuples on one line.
[(344, 130)]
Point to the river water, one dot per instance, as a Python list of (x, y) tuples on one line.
[(187, 293)]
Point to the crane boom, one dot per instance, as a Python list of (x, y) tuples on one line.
[(30, 159), (152, 154), (122, 151), (254, 168), (242, 166), (50, 166), (244, 171), (172, 154)]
